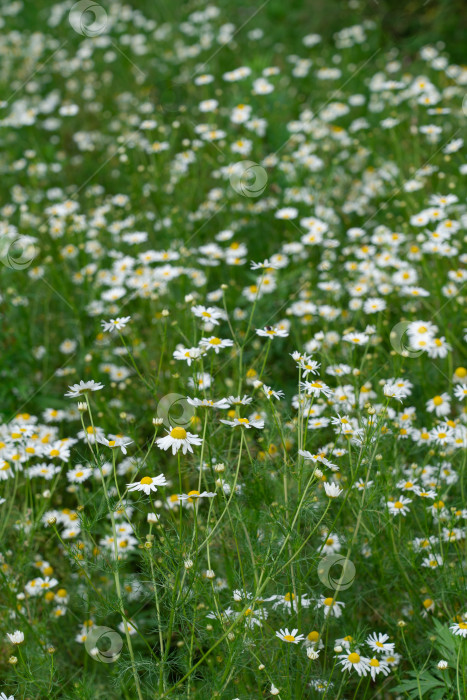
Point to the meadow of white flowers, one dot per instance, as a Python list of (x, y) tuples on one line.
[(233, 426)]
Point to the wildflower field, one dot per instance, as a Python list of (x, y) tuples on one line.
[(233, 425)]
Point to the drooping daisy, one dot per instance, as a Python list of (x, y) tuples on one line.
[(378, 666), (244, 423), (115, 441), (332, 490), (208, 403), (330, 606), (16, 637), (290, 637), (76, 390), (272, 393), (148, 484), (178, 438), (239, 400), (191, 496), (394, 392)]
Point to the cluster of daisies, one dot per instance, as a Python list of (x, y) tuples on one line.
[(302, 300)]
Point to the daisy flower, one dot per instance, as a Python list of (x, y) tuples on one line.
[(290, 637), (209, 314), (208, 403), (272, 332), (147, 484), (354, 662), (399, 507), (460, 392), (433, 561), (16, 637), (187, 354), (244, 423), (394, 392), (332, 490), (76, 390), (270, 392), (178, 438), (115, 324), (330, 606), (378, 666), (192, 495), (378, 642), (115, 441), (459, 629), (439, 404), (356, 338), (238, 400), (78, 474), (216, 344), (316, 388)]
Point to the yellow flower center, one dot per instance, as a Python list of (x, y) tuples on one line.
[(289, 638), (146, 480), (313, 636), (178, 433), (398, 505), (328, 601), (215, 341), (438, 400), (54, 453), (78, 474), (374, 662), (354, 658), (193, 493)]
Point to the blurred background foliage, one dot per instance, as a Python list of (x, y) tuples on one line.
[(409, 24)]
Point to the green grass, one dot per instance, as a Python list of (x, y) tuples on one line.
[(266, 535)]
